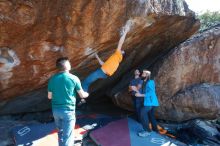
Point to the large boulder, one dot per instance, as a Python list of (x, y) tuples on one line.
[(198, 101), (35, 33), (194, 62), (187, 79)]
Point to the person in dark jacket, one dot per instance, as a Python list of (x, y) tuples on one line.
[(135, 86)]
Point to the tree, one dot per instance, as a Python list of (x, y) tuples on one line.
[(209, 19)]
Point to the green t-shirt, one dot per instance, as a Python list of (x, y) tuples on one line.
[(64, 87)]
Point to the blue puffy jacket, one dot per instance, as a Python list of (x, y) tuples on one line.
[(150, 98)]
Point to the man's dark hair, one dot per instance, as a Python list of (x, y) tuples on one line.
[(60, 63)]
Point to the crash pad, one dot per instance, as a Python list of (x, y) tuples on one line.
[(41, 134), (124, 133), (46, 134)]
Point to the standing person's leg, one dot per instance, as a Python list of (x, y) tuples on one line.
[(68, 127), (58, 122), (144, 118), (98, 74), (139, 105), (145, 121), (134, 102), (134, 105), (152, 119)]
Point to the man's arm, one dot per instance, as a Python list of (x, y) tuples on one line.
[(82, 93), (122, 39), (134, 88), (139, 86), (99, 59), (139, 95), (49, 96)]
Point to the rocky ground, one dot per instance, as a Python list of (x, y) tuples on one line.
[(8, 122), (190, 132)]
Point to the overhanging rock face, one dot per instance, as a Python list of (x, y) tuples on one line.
[(35, 33)]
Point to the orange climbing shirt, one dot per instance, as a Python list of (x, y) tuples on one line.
[(112, 63)]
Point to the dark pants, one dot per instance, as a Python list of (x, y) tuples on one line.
[(147, 114), (138, 104)]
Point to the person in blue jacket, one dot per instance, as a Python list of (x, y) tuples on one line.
[(150, 103)]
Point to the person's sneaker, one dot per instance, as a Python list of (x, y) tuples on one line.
[(144, 134)]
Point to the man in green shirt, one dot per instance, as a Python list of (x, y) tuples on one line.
[(62, 89)]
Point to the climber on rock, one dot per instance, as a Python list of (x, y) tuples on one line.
[(108, 68)]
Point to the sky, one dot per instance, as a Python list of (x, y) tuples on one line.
[(200, 6)]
